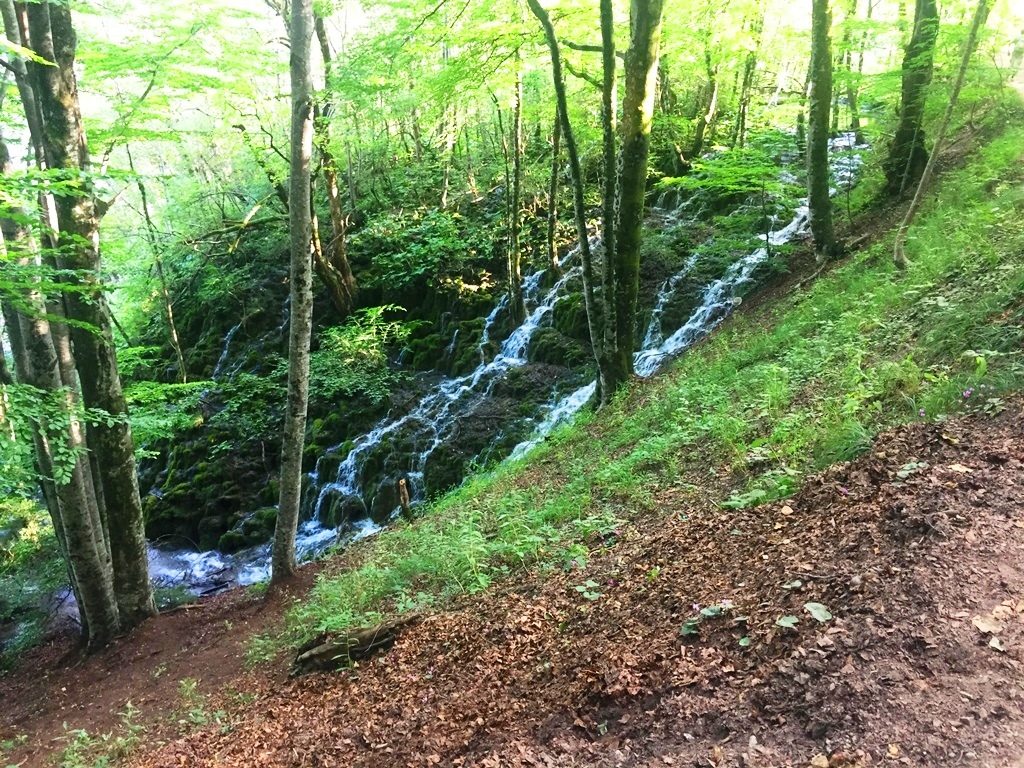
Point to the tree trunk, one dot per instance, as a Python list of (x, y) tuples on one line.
[(515, 270), (158, 265), (52, 36), (73, 511), (980, 15), (908, 155), (335, 270), (300, 330), (575, 175), (556, 142), (747, 80), (708, 114), (610, 193), (641, 78), (818, 198)]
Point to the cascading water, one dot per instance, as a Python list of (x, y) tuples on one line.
[(434, 418), (718, 301), (224, 352), (436, 415)]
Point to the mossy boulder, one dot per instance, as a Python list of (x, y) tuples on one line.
[(552, 347), (251, 530), (569, 317)]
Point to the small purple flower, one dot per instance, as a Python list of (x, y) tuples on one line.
[(696, 607), (613, 582), (843, 490), (921, 413), (726, 603)]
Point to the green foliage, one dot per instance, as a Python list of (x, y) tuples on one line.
[(161, 411), (352, 359), (411, 249), (85, 750), (31, 573)]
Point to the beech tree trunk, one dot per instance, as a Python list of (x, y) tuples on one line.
[(980, 15), (819, 200), (300, 330), (515, 270), (52, 36), (641, 78), (908, 154), (575, 176), (556, 146), (609, 121)]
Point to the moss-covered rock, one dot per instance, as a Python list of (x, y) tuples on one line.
[(552, 347), (569, 317)]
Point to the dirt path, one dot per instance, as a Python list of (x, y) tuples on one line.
[(54, 689), (917, 551)]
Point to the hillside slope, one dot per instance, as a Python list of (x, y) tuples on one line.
[(619, 597), (916, 550)]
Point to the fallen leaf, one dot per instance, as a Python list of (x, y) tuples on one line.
[(960, 468), (987, 625), (818, 611), (819, 761), (996, 643)]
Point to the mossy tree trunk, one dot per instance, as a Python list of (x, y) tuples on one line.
[(52, 36), (908, 154), (641, 78), (980, 16), (818, 198), (556, 146), (610, 192)]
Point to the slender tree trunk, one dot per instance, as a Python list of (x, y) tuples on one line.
[(335, 269), (641, 78), (52, 36), (747, 81), (708, 114), (158, 265), (556, 142), (819, 200), (980, 15), (575, 175), (610, 195), (515, 270), (300, 331), (908, 154)]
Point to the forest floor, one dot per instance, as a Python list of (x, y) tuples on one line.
[(915, 550)]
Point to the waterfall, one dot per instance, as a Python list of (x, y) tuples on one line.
[(718, 300), (436, 416), (225, 351)]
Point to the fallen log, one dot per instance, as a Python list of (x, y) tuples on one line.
[(332, 651)]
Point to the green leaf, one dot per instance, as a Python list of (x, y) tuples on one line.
[(818, 611), (711, 611), (23, 53), (745, 641), (690, 627), (787, 622)]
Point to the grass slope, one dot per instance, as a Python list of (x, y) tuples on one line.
[(778, 392)]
